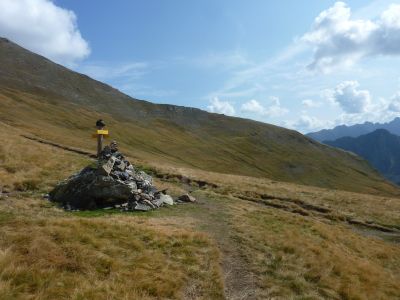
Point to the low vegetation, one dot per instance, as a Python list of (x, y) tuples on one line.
[(105, 258), (293, 255), (222, 247)]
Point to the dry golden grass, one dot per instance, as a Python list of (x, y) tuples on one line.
[(124, 257), (295, 257), (27, 165), (177, 252), (379, 209)]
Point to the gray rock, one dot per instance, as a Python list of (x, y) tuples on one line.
[(89, 190), (142, 207), (148, 202), (158, 202), (114, 182), (167, 199), (187, 198), (107, 167), (120, 165)]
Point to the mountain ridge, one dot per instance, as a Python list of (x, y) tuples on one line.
[(354, 130), (51, 102), (380, 147)]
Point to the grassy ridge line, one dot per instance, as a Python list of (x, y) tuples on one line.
[(60, 105), (161, 142)]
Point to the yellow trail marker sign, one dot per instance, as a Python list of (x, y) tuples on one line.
[(102, 131)]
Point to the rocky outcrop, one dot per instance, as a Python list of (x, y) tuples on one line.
[(113, 182)]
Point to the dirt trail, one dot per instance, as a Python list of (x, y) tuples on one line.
[(214, 218)]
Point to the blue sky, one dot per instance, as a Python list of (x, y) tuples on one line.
[(305, 65)]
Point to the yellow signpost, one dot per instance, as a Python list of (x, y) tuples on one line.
[(100, 134)]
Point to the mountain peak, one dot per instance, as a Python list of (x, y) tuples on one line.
[(355, 130), (380, 147)]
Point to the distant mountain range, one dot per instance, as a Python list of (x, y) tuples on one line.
[(354, 130), (380, 148)]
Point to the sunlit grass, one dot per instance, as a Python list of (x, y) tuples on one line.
[(174, 252)]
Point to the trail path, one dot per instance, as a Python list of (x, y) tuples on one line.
[(214, 218)]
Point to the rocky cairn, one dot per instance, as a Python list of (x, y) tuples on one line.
[(113, 182)]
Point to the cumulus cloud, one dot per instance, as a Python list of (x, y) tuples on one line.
[(252, 106), (394, 104), (350, 98), (308, 103), (340, 40), (275, 108), (44, 28), (221, 107), (308, 123)]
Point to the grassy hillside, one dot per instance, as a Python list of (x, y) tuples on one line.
[(246, 238), (49, 101)]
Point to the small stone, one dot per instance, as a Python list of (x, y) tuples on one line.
[(145, 196), (149, 203), (108, 166), (187, 198), (141, 207), (167, 199), (120, 166), (158, 202)]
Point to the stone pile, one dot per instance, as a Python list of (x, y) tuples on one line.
[(113, 182)]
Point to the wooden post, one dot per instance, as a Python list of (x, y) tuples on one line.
[(99, 142), (100, 135)]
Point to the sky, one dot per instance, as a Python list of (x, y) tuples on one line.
[(304, 65)]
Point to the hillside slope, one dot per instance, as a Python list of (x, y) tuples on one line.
[(54, 103), (380, 148), (244, 238), (354, 130)]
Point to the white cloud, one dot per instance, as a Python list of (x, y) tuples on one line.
[(275, 109), (350, 98), (308, 123), (252, 106), (221, 107), (340, 40), (394, 104), (44, 28), (308, 103)]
